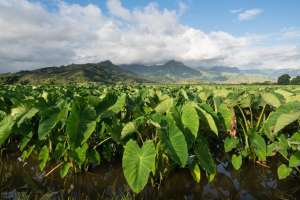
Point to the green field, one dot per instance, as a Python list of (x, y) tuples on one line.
[(151, 129)]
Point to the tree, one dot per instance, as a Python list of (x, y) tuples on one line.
[(284, 79), (295, 80)]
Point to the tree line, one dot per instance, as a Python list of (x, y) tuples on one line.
[(286, 79)]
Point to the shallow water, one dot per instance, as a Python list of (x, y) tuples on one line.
[(19, 181)]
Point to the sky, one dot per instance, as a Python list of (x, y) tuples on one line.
[(261, 34)]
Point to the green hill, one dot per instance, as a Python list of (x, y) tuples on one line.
[(169, 72), (103, 72)]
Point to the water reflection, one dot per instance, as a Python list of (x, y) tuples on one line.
[(107, 182)]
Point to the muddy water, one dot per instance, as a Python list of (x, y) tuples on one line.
[(23, 181)]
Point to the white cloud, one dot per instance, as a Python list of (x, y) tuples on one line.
[(31, 37), (235, 11), (115, 7), (250, 14), (290, 33)]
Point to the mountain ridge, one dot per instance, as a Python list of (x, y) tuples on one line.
[(102, 72), (169, 72)]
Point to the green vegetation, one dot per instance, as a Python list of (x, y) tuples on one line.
[(286, 79), (104, 72), (295, 80), (108, 73), (151, 129)]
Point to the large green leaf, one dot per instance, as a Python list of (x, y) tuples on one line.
[(259, 146), (190, 118), (283, 171), (207, 113), (79, 154), (19, 111), (226, 114), (204, 156), (25, 140), (129, 128), (28, 115), (119, 105), (196, 172), (94, 157), (43, 157), (294, 141), (295, 160), (59, 151), (164, 106), (272, 99), (81, 123), (236, 161), (174, 141), (138, 163), (6, 126), (106, 102), (65, 169), (49, 121), (283, 116), (230, 143)]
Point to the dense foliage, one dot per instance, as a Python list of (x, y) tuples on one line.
[(152, 129), (286, 79)]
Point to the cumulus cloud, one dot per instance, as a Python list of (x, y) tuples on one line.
[(31, 36), (250, 14), (116, 8)]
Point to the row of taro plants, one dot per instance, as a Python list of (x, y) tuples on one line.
[(152, 129)]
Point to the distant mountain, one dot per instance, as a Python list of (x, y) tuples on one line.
[(220, 69), (103, 72), (278, 72), (170, 71), (233, 75)]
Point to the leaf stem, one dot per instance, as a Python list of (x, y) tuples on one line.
[(260, 117), (100, 143), (244, 118), (53, 169), (140, 136)]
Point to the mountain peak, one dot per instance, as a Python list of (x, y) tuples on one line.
[(106, 62), (174, 62)]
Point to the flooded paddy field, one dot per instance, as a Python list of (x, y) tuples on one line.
[(24, 181)]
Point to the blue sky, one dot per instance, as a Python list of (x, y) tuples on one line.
[(238, 33), (210, 15)]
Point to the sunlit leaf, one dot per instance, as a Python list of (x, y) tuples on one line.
[(138, 163)]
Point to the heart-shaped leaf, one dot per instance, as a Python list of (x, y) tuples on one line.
[(138, 163), (283, 171), (230, 143), (236, 161), (295, 160)]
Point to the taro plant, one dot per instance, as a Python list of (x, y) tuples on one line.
[(152, 130)]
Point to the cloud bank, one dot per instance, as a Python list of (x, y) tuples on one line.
[(31, 36)]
